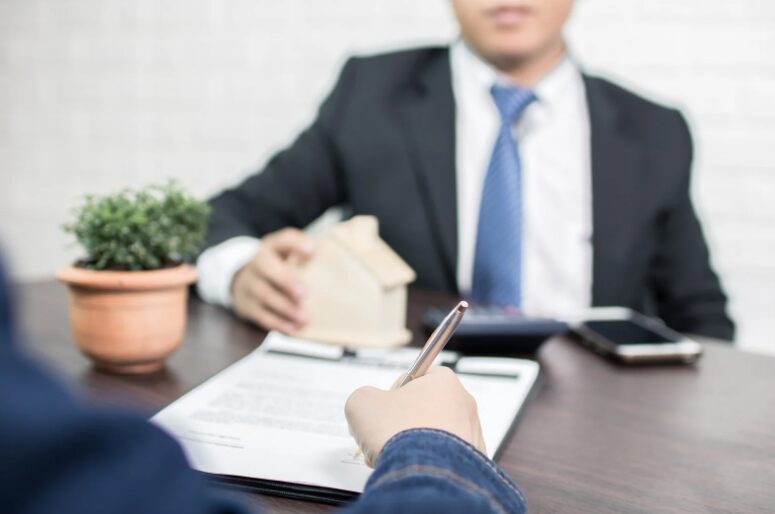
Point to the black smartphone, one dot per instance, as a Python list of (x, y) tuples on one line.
[(634, 338)]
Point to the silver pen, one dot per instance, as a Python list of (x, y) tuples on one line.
[(435, 343), (433, 346)]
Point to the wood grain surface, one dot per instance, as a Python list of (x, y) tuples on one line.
[(597, 436)]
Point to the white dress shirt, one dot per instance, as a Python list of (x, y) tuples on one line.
[(554, 146)]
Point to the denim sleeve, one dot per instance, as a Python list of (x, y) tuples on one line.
[(426, 470), (59, 454)]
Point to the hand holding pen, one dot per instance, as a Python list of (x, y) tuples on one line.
[(424, 398)]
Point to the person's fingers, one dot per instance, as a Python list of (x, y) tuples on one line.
[(358, 409), (470, 401), (473, 415), (279, 303), (271, 321), (437, 372), (480, 442), (291, 240), (269, 266), (368, 459), (441, 371), (359, 412), (436, 400), (398, 381), (244, 303), (359, 399)]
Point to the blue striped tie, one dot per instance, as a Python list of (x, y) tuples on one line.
[(498, 257)]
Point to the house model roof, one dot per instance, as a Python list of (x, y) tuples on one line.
[(360, 237)]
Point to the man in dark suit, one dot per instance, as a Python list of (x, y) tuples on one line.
[(497, 170)]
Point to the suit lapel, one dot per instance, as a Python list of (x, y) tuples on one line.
[(428, 112), (616, 158)]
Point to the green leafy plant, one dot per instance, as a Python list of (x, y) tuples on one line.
[(154, 227)]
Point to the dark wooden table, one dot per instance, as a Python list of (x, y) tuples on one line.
[(597, 437)]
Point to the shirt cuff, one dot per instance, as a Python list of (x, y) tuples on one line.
[(428, 453), (218, 265)]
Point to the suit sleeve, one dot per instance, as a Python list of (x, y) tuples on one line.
[(296, 186), (688, 291)]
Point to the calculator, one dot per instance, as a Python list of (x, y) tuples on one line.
[(488, 330)]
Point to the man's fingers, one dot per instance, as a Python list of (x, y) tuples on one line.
[(270, 267), (291, 240), (268, 290), (278, 302), (244, 302), (271, 321)]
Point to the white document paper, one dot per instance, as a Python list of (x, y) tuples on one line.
[(278, 414)]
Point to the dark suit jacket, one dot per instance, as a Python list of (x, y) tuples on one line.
[(384, 144)]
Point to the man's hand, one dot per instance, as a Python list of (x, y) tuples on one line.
[(267, 290), (435, 400)]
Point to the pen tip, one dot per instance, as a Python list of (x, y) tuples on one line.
[(462, 306)]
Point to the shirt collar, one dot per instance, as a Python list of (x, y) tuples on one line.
[(481, 75)]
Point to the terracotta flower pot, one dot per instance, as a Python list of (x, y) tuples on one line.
[(128, 321)]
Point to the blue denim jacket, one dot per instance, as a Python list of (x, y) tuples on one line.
[(59, 454), (425, 470)]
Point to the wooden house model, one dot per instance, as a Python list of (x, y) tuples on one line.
[(356, 288)]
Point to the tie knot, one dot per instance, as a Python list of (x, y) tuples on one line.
[(511, 101)]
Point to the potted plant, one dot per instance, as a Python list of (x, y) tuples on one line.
[(128, 295)]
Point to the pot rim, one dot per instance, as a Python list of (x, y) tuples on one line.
[(180, 275)]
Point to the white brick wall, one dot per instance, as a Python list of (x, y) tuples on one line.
[(100, 94)]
